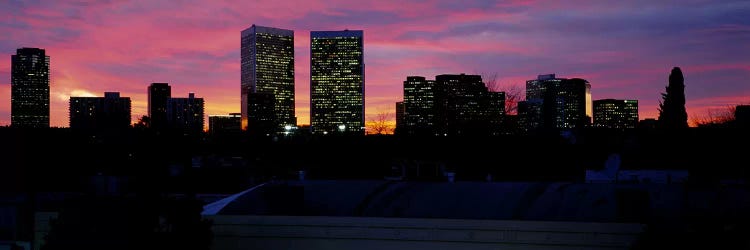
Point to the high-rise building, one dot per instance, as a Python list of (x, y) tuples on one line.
[(186, 114), (611, 113), (337, 82), (466, 107), (158, 95), (742, 116), (555, 103), (29, 80), (399, 117), (419, 106), (261, 118), (451, 105), (267, 57), (108, 112), (224, 124)]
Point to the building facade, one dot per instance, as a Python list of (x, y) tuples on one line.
[(611, 113), (451, 105), (158, 96), (29, 79), (261, 118), (337, 82), (223, 124), (419, 106), (267, 58), (186, 114), (399, 117), (94, 113), (555, 103)]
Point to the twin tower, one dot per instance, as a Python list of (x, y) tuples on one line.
[(337, 81)]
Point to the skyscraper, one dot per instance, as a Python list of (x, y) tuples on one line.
[(108, 112), (399, 117), (451, 105), (337, 82), (186, 114), (611, 113), (29, 79), (555, 103), (267, 57), (419, 106), (158, 95)]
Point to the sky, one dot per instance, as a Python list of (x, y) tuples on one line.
[(625, 49)]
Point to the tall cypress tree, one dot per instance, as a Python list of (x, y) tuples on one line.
[(672, 113)]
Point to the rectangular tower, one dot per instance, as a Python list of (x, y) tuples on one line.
[(267, 67), (158, 95), (186, 114), (337, 82), (93, 113), (29, 79)]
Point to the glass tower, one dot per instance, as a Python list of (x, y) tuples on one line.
[(29, 80), (267, 57), (337, 82)]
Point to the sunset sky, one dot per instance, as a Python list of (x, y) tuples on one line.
[(625, 49)]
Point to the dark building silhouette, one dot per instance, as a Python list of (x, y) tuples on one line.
[(465, 106), (186, 114), (261, 116), (555, 103), (95, 113), (419, 106), (337, 82), (611, 113), (158, 95), (267, 57), (648, 123), (399, 116), (451, 105), (742, 115), (29, 79), (672, 113), (223, 124)]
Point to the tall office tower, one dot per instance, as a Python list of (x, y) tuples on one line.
[(267, 57), (158, 95), (92, 113), (465, 106), (555, 103), (611, 113), (399, 117), (742, 116), (451, 105), (419, 106), (29, 79), (186, 114), (261, 118), (337, 82)]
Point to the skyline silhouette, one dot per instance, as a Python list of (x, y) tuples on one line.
[(618, 48)]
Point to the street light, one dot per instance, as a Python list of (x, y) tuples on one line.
[(342, 127)]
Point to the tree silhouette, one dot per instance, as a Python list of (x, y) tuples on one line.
[(381, 124), (719, 117), (513, 92), (672, 113), (143, 122)]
